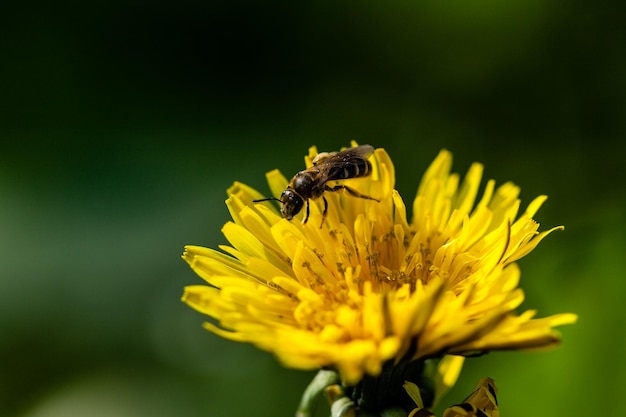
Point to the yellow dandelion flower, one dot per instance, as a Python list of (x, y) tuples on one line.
[(371, 287)]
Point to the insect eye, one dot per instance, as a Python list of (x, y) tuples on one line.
[(292, 203)]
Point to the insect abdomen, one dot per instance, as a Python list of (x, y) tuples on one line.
[(355, 169)]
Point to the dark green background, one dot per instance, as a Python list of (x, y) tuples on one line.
[(122, 124)]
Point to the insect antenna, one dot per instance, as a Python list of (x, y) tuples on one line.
[(266, 199)]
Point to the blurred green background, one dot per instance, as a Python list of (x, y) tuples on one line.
[(123, 123)]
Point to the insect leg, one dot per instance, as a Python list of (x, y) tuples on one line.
[(306, 218), (350, 191), (324, 212)]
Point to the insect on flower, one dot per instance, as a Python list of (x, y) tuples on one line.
[(312, 182)]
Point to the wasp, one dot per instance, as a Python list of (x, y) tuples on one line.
[(312, 182)]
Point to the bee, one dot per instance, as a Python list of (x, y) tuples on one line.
[(312, 182)]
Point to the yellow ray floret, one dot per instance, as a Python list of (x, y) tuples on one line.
[(371, 286)]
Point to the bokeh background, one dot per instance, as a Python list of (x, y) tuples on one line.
[(123, 123)]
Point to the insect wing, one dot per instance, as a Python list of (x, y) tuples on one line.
[(349, 163)]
